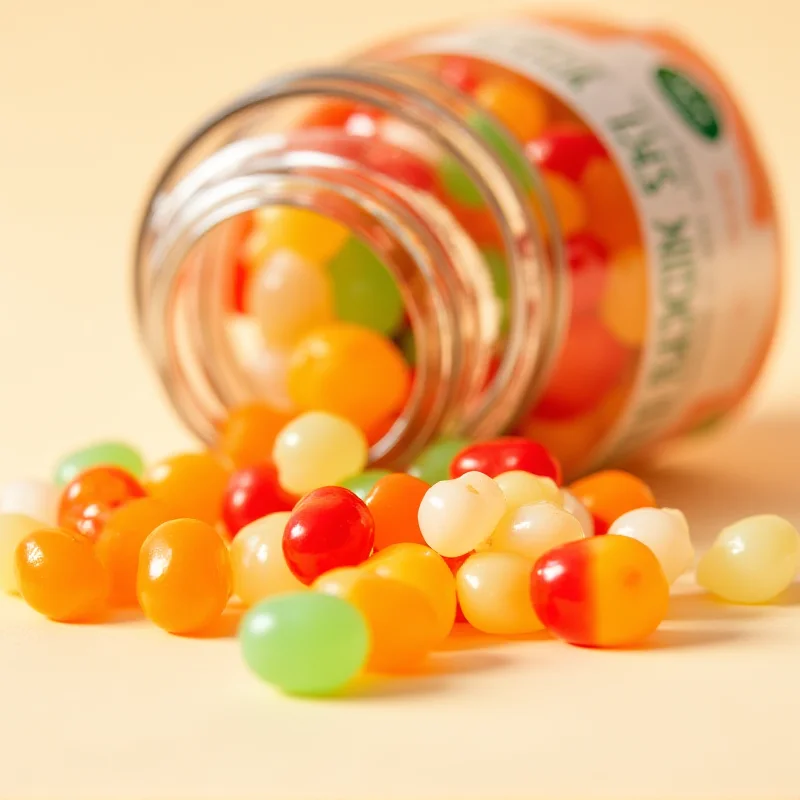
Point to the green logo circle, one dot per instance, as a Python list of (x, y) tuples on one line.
[(691, 102)]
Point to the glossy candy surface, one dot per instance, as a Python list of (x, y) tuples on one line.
[(610, 494), (329, 528), (425, 570), (579, 511), (507, 454), (751, 561), (60, 576), (89, 498), (494, 593), (318, 449), (121, 540), (400, 618), (433, 463), (306, 643), (456, 516), (524, 488), (257, 562), (109, 454), (184, 577), (532, 530), (252, 493), (191, 484), (248, 434), (394, 503), (607, 591), (361, 485), (13, 529)]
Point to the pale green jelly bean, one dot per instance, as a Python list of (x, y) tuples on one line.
[(364, 291), (433, 463), (304, 642), (113, 454), (505, 147), (362, 483), (458, 185), (500, 281)]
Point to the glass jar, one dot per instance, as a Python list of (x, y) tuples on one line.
[(574, 215)]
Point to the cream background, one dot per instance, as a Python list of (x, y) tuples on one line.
[(93, 95)]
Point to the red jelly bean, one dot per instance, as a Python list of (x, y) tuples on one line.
[(460, 73), (587, 258), (566, 149), (402, 166), (252, 493), (330, 527), (89, 499), (504, 455)]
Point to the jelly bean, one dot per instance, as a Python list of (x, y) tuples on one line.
[(460, 73), (35, 499), (498, 269), (507, 149), (13, 529), (611, 493), (433, 463), (403, 167), (426, 571), (248, 434), (270, 369), (305, 643), (89, 498), (522, 488), (401, 622), (252, 493), (350, 371), (110, 454), (456, 516), (330, 527), (579, 511), (184, 578), (318, 449), (361, 484), (289, 298), (607, 591), (457, 185), (310, 236), (332, 113), (394, 503), (191, 484), (566, 149), (665, 531), (60, 576), (520, 106), (751, 561), (494, 593), (120, 541), (364, 291), (506, 454), (624, 306), (257, 561), (611, 215), (569, 439), (587, 368), (532, 530), (587, 259), (567, 202)]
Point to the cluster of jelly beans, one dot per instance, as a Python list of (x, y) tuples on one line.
[(345, 569)]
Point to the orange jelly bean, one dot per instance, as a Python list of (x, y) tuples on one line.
[(394, 502), (401, 621), (350, 371), (606, 591), (119, 544), (611, 214), (191, 484), (92, 495), (184, 579), (610, 494), (248, 434), (520, 106), (60, 575)]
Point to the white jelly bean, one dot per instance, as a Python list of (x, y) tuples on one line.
[(35, 499), (524, 489), (579, 511), (456, 516)]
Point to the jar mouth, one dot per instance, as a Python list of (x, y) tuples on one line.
[(237, 164)]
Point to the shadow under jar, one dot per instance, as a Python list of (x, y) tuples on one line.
[(557, 228)]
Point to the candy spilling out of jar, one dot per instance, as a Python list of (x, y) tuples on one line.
[(340, 582)]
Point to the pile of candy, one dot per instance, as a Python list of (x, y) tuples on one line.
[(374, 576)]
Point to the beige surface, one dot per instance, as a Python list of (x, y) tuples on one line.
[(93, 96)]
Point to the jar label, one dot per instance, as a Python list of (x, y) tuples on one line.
[(702, 198)]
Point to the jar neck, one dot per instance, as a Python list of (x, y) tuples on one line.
[(249, 157)]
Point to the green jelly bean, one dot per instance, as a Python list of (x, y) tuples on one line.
[(458, 184), (362, 483), (510, 153), (433, 463), (498, 269), (364, 291), (114, 454), (304, 642)]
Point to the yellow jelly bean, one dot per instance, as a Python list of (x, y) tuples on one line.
[(532, 530), (624, 303), (13, 529), (520, 106), (524, 488), (494, 592), (752, 561)]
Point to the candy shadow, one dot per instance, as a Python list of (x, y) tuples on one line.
[(466, 638), (686, 638)]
